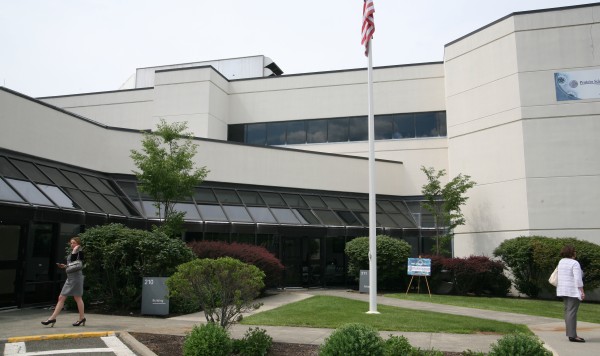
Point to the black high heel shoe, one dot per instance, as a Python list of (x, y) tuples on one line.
[(79, 322), (49, 321)]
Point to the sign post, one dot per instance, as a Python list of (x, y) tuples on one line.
[(363, 281), (155, 296)]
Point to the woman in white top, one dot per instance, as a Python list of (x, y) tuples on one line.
[(570, 287)]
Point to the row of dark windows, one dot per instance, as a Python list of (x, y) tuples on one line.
[(268, 207), (44, 185), (341, 129), (39, 184)]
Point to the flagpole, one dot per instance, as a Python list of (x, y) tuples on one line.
[(372, 198)]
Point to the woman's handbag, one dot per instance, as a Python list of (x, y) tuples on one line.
[(554, 277), (74, 266)]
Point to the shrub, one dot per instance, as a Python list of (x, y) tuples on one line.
[(532, 259), (254, 255), (208, 340), (117, 258), (478, 275), (397, 345), (392, 254), (353, 339), (224, 288), (519, 345), (256, 342)]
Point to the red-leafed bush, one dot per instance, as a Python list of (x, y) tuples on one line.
[(251, 254), (477, 275)]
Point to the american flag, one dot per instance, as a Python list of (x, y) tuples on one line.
[(368, 25)]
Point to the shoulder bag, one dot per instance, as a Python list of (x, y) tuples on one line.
[(554, 277), (75, 266)]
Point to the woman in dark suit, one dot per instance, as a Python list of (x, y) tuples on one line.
[(73, 286)]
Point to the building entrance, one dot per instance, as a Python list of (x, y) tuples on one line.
[(10, 238)]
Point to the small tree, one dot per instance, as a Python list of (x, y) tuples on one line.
[(167, 172), (224, 287), (444, 202)]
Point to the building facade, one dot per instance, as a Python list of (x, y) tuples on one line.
[(287, 153)]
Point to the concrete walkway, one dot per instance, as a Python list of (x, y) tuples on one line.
[(26, 322)]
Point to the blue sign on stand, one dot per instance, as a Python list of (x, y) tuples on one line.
[(419, 266)]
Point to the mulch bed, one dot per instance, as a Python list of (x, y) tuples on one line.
[(171, 345)]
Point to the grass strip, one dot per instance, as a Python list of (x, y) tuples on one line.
[(588, 312), (333, 312)]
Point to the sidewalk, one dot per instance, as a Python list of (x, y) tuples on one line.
[(26, 322)]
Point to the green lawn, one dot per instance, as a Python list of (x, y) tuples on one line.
[(589, 312), (332, 312)]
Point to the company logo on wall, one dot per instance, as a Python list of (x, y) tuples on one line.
[(576, 85)]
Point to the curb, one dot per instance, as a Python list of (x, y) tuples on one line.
[(135, 346), (60, 336)]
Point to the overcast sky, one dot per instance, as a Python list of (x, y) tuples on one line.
[(57, 47)]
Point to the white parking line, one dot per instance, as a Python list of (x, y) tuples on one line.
[(112, 342), (117, 346), (15, 348), (59, 352)]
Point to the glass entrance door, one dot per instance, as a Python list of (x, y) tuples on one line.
[(40, 285), (10, 237)]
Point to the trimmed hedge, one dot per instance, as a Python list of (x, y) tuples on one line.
[(477, 275), (392, 254), (251, 254), (532, 259)]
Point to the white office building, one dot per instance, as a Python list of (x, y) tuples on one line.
[(515, 105)]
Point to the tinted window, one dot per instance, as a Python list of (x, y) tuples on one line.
[(441, 121), (276, 133), (404, 126), (383, 127), (237, 213), (7, 193), (29, 191), (256, 134), (189, 209), (296, 132), (337, 130), (8, 170), (227, 196), (285, 216), (83, 201), (32, 171), (273, 199), (316, 131), (314, 201), (57, 177), (358, 129), (79, 181), (294, 200), (251, 198), (57, 196), (204, 195), (261, 215), (212, 213), (235, 133), (426, 124), (328, 217)]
